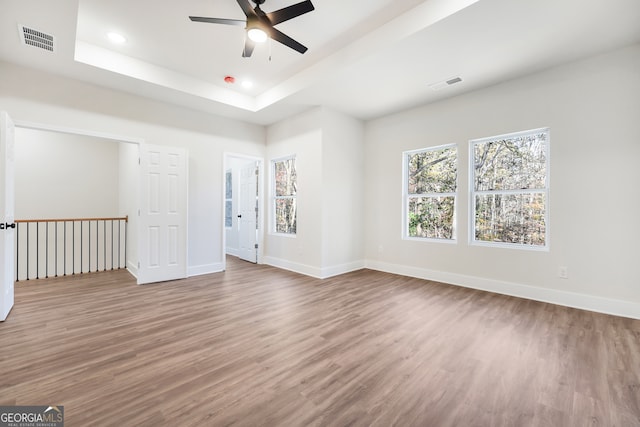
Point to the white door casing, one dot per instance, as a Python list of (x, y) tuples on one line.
[(248, 212), (7, 227), (163, 213)]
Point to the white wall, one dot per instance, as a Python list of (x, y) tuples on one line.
[(33, 96), (591, 106), (343, 193), (593, 110), (300, 136), (59, 175), (329, 162)]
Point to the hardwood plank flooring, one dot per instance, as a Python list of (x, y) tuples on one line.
[(260, 346)]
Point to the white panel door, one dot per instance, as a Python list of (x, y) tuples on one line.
[(162, 242), (7, 224), (248, 212)]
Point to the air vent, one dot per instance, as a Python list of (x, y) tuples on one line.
[(35, 38), (445, 83)]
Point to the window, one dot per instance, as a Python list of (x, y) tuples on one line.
[(430, 182), (284, 195), (228, 199), (510, 189)]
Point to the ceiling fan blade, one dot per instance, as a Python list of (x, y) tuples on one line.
[(285, 40), (246, 7), (289, 12), (248, 47), (219, 20)]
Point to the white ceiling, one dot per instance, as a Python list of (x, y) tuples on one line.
[(366, 59)]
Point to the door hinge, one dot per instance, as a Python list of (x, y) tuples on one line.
[(256, 246), (139, 161)]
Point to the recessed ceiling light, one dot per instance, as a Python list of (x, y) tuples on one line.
[(116, 38), (247, 84)]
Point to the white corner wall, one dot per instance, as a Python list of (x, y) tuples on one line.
[(343, 193), (38, 97), (330, 166), (593, 110), (300, 136)]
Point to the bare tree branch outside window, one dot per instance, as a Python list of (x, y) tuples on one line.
[(510, 184), (285, 195), (431, 191)]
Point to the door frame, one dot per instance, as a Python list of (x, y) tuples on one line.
[(76, 131), (225, 165)]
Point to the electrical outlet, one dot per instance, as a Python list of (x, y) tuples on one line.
[(563, 272)]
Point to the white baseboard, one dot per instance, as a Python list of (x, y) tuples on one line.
[(199, 270), (284, 264), (553, 296), (317, 272), (336, 270), (233, 251), (133, 269)]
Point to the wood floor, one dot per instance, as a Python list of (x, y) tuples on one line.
[(260, 346)]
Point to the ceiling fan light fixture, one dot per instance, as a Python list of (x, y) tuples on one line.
[(257, 35)]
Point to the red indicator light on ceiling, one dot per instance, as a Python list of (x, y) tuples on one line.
[(229, 79)]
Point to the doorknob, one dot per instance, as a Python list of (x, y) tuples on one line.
[(7, 226), (239, 216)]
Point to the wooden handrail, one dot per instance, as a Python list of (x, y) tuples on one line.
[(124, 218)]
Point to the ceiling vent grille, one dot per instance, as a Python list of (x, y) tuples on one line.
[(445, 83), (36, 38)]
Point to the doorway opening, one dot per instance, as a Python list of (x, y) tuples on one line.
[(76, 199), (243, 213)]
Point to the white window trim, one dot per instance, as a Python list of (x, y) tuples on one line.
[(273, 197), (545, 191), (405, 196)]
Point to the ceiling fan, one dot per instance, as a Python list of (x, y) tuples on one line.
[(259, 25)]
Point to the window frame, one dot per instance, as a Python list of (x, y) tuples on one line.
[(274, 197), (406, 197), (545, 192)]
